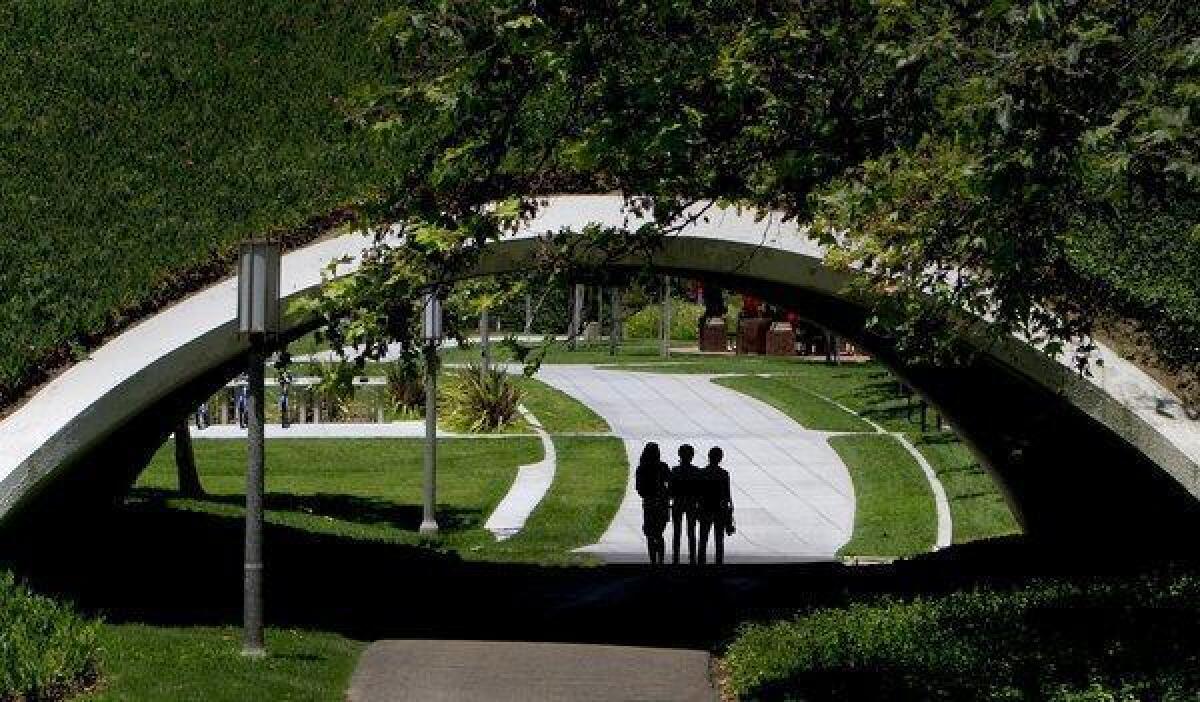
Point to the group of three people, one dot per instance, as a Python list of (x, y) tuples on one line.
[(688, 496)]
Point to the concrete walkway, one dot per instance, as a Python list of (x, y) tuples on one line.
[(528, 488), (793, 497), (493, 671)]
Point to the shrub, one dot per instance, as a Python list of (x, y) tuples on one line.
[(334, 388), (481, 401), (405, 388), (1098, 641), (685, 321), (47, 651)]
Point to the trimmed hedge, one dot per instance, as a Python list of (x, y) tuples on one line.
[(141, 141), (1118, 640), (47, 651)]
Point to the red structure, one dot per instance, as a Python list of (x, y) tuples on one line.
[(781, 339), (713, 335)]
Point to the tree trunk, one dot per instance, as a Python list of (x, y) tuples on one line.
[(185, 462)]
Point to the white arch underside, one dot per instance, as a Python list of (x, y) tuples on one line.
[(72, 413)]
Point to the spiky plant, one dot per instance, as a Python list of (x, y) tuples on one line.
[(481, 401)]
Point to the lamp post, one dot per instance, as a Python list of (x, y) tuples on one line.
[(431, 333), (258, 322), (666, 317)]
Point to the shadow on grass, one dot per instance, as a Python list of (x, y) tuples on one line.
[(146, 562), (347, 508)]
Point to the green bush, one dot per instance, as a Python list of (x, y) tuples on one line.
[(334, 388), (479, 401), (405, 388), (142, 141), (685, 321), (47, 651), (1097, 641)]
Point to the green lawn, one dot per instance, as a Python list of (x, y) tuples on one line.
[(361, 488), (588, 487), (371, 489), (205, 663), (976, 505), (558, 411), (894, 511), (792, 398)]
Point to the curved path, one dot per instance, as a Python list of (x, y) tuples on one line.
[(792, 494), (529, 487)]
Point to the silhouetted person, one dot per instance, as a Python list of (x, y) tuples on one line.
[(715, 506), (240, 406), (285, 387), (683, 503), (202, 416), (652, 482)]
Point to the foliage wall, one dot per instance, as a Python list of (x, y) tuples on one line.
[(140, 141)]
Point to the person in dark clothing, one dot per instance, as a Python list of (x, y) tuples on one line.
[(652, 480), (683, 503), (240, 406), (715, 506)]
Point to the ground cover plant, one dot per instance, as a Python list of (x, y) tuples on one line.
[(47, 650), (1119, 639), (141, 142)]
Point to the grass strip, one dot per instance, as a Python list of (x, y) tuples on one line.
[(588, 487), (894, 510), (977, 508), (558, 411), (788, 395)]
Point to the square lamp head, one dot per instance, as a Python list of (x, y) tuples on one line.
[(258, 289), (431, 319)]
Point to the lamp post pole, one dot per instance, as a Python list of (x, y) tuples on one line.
[(258, 321), (432, 333), (485, 340), (666, 317), (252, 592)]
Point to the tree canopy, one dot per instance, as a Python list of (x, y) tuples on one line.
[(1034, 163)]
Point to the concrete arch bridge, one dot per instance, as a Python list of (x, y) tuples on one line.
[(1110, 460)]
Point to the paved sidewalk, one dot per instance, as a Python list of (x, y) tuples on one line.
[(528, 488), (793, 497), (495, 671)]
